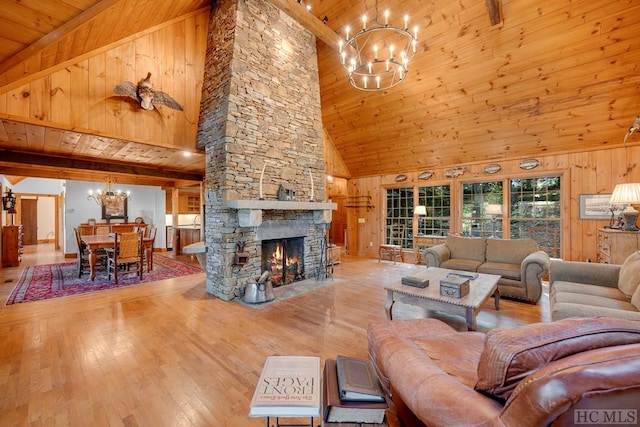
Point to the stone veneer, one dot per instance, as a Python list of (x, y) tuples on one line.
[(261, 102)]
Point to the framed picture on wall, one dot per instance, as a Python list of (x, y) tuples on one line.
[(597, 206), (118, 211)]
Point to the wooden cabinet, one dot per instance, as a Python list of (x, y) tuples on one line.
[(187, 203), (614, 246), (11, 245), (188, 236)]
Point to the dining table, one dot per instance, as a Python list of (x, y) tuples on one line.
[(95, 242)]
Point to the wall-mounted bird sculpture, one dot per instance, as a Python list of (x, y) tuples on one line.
[(143, 92), (634, 127)]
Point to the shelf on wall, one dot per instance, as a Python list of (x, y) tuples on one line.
[(360, 202)]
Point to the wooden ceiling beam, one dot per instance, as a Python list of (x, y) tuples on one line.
[(63, 163), (493, 7), (298, 12)]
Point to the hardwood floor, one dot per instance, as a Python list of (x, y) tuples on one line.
[(169, 354)]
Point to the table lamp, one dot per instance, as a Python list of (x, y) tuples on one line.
[(494, 211), (419, 211), (629, 194)]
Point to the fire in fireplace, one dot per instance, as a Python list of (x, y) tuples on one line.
[(284, 258)]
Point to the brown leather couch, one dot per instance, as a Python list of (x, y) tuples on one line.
[(533, 375)]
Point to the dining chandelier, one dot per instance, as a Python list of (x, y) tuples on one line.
[(377, 56), (108, 197)]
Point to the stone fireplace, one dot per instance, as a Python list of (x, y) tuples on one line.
[(261, 128)]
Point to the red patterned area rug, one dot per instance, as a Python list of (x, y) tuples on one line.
[(58, 280)]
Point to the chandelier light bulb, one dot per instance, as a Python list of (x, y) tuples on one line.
[(386, 17), (406, 22), (347, 31), (364, 22)]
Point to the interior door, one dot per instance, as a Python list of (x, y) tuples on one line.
[(29, 208)]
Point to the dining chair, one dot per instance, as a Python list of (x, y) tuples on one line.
[(83, 254), (125, 257), (103, 230), (148, 247)]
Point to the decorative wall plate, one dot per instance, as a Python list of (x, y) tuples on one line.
[(455, 172), (528, 164), (401, 178), (492, 168), (425, 175)]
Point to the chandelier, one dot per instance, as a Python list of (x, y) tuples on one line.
[(108, 197), (377, 56)]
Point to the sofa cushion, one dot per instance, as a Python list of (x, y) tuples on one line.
[(510, 251), (629, 277), (512, 354), (461, 264), (593, 300), (559, 287), (467, 247), (507, 271)]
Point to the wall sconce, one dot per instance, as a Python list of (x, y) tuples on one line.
[(493, 211), (9, 201)]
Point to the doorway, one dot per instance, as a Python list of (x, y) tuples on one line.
[(40, 218)]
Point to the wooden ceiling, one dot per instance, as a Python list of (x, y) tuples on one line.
[(38, 36), (552, 76)]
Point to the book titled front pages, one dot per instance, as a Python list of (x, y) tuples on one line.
[(289, 386)]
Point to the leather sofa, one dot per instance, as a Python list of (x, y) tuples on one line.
[(533, 375), (587, 290), (519, 261)]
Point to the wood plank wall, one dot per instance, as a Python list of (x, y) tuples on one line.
[(79, 95), (589, 172)]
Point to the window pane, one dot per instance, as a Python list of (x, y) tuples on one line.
[(476, 221), (437, 201), (400, 212), (535, 212)]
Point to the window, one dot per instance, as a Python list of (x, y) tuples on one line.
[(477, 219), (400, 212), (437, 201), (534, 212)]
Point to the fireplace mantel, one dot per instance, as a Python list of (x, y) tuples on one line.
[(250, 211)]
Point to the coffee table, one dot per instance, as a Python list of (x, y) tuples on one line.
[(480, 289)]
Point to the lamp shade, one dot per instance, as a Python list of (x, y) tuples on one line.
[(494, 209), (420, 210), (626, 193)]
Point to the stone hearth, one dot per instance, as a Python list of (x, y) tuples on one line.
[(261, 128)]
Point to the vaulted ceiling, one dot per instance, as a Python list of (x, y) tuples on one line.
[(551, 76)]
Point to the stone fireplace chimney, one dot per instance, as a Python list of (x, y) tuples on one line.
[(260, 111)]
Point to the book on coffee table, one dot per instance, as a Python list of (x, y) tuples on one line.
[(357, 380), (343, 411), (289, 386)]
